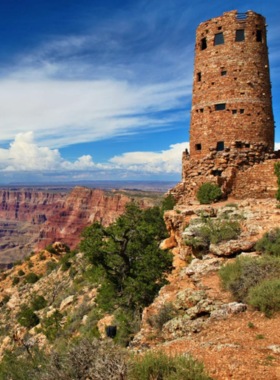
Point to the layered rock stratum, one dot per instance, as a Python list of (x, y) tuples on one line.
[(30, 220)]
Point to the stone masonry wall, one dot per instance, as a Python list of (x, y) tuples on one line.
[(258, 181), (236, 74), (238, 172)]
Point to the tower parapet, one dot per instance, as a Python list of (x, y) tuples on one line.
[(231, 102)]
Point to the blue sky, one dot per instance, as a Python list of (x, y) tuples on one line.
[(95, 89)]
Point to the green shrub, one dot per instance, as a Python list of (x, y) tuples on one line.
[(246, 272), (38, 303), (270, 243), (5, 300), (15, 281), (51, 265), (208, 193), (165, 314), (51, 325), (158, 365), (65, 266), (27, 317), (18, 262), (234, 205), (214, 231), (31, 278), (30, 264), (266, 296), (21, 272), (277, 173), (42, 256), (168, 203), (50, 248)]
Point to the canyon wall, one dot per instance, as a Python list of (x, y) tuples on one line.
[(30, 220)]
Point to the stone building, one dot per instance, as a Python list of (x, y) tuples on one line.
[(232, 124)]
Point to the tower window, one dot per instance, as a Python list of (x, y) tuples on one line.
[(240, 35), (219, 39), (234, 112), (217, 173), (220, 146), (199, 77), (220, 107), (223, 73), (242, 111), (259, 35), (197, 146), (238, 145), (201, 110), (203, 43)]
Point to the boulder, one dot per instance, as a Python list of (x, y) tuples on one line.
[(168, 243), (231, 247), (66, 302)]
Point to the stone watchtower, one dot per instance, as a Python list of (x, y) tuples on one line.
[(231, 104)]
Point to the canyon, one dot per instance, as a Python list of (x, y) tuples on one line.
[(32, 219)]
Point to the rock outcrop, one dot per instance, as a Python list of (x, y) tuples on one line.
[(206, 322), (30, 220)]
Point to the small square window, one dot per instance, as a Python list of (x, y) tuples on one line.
[(199, 77), (259, 35), (219, 27), (234, 112), (247, 145), (203, 43), (240, 35), (220, 146), (242, 111), (217, 173), (197, 146), (201, 110), (238, 145), (220, 107), (219, 39), (223, 73)]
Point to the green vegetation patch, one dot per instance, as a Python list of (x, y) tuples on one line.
[(269, 243), (208, 193), (246, 272), (159, 365)]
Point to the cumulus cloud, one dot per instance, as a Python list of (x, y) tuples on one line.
[(277, 146), (165, 161), (24, 155)]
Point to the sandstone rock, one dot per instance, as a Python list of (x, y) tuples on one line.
[(205, 211), (231, 247), (200, 267), (66, 302), (230, 308), (188, 298), (168, 243), (249, 254), (275, 349)]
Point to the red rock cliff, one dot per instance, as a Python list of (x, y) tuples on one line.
[(82, 207)]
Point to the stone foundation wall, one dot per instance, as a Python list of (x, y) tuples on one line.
[(239, 173), (257, 182)]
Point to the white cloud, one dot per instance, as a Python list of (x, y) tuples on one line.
[(165, 161), (68, 112), (24, 155), (277, 146)]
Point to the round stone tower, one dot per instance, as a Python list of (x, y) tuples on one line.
[(231, 104)]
